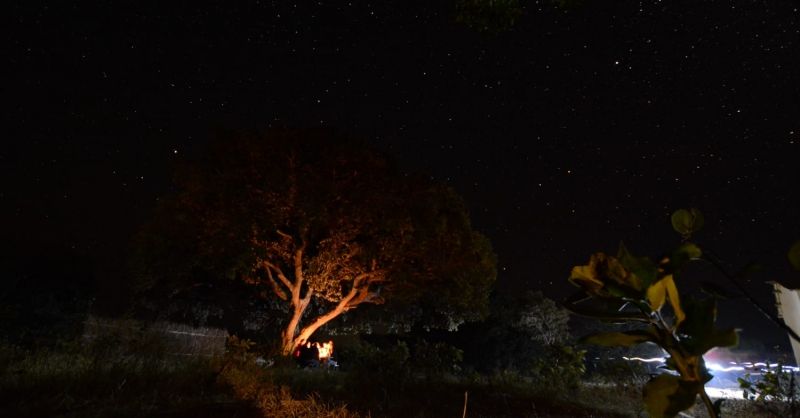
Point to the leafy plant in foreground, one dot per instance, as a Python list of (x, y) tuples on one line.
[(636, 290), (774, 392)]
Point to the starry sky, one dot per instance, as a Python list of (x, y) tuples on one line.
[(577, 128)]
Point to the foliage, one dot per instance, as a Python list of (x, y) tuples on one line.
[(395, 364), (775, 391), (436, 359), (687, 221), (526, 336), (625, 376), (775, 384), (515, 332), (238, 350), (559, 369), (631, 289), (364, 358), (319, 225), (794, 255), (540, 318)]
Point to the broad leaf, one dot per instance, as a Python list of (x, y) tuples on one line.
[(667, 395), (691, 250), (750, 268), (724, 338), (657, 295), (674, 299), (700, 317), (686, 222), (697, 332), (660, 291), (613, 272), (606, 277), (642, 267), (586, 276), (681, 256), (794, 255), (619, 339), (705, 375)]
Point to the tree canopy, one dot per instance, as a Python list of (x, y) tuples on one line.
[(309, 219)]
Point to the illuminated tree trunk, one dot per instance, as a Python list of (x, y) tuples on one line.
[(293, 335), (292, 338), (289, 336), (358, 294)]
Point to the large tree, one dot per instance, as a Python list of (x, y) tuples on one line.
[(321, 226)]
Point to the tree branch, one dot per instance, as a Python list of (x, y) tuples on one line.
[(364, 295), (298, 267), (283, 234), (340, 307), (276, 287), (272, 267), (716, 262)]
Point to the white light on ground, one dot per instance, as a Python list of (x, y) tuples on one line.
[(730, 389), (717, 393)]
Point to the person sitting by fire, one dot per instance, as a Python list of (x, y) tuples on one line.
[(304, 355), (307, 355), (313, 355), (299, 353)]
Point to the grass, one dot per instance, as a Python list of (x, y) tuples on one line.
[(412, 396), (74, 382), (105, 379)]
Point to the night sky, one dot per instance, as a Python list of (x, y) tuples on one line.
[(574, 130)]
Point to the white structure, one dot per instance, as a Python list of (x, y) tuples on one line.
[(788, 302)]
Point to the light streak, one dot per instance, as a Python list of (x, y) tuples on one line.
[(718, 367), (734, 366), (646, 360)]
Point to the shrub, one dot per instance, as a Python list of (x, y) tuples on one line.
[(559, 368), (775, 392), (436, 359)]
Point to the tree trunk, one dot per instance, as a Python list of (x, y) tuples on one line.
[(290, 338)]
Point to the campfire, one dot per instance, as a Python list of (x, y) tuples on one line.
[(325, 350), (315, 354)]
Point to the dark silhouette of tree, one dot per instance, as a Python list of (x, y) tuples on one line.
[(322, 226), (519, 331)]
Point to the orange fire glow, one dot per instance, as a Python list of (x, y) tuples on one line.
[(325, 350)]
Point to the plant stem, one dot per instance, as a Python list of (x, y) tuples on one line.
[(707, 401), (716, 262), (466, 394), (689, 371)]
